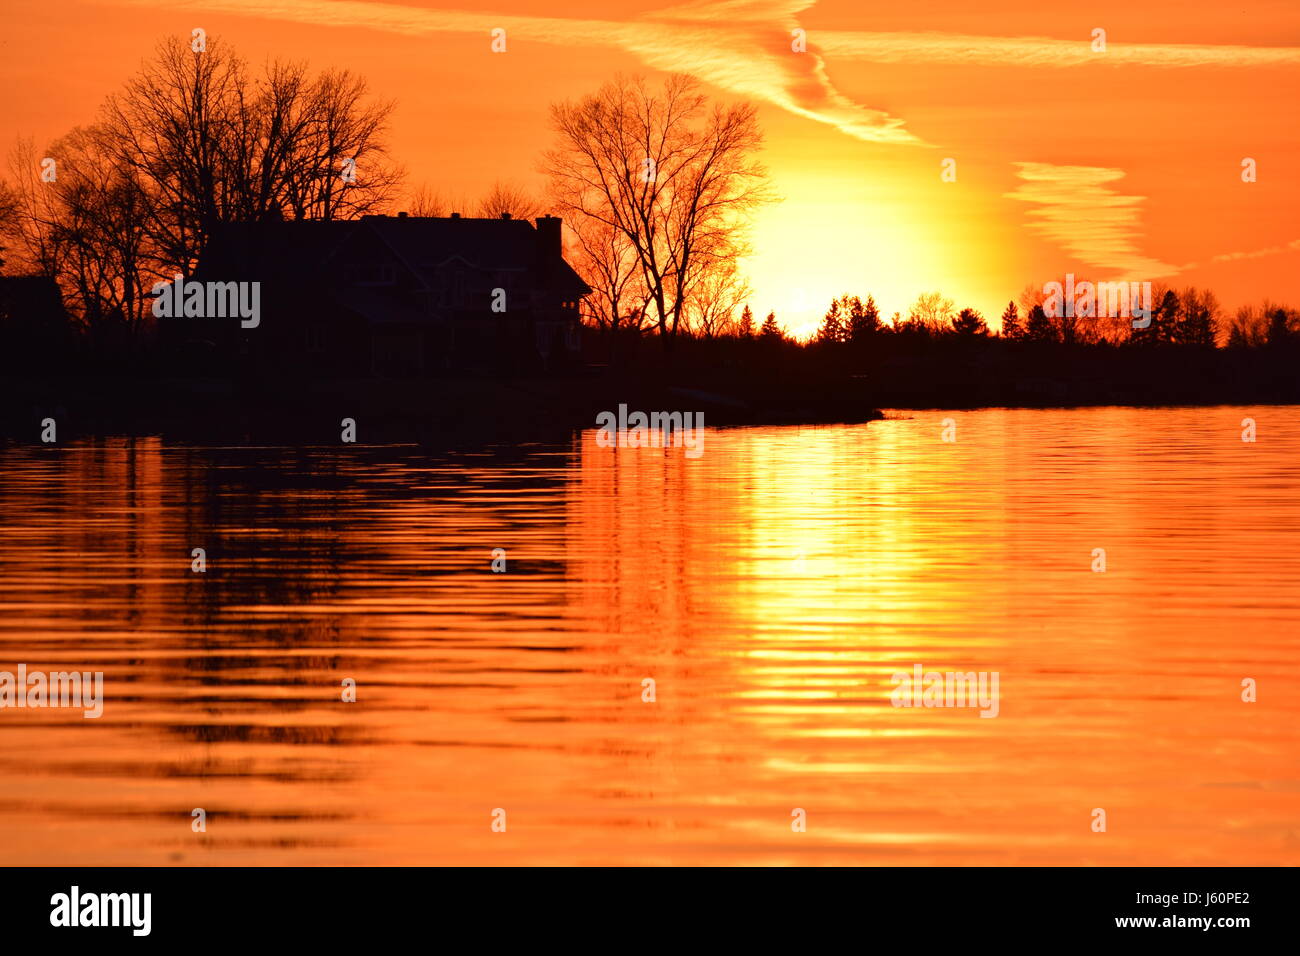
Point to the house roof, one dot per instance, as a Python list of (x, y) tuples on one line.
[(297, 248), (486, 243), (271, 250)]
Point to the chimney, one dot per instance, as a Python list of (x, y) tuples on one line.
[(401, 215), (505, 215), (455, 215), (548, 237)]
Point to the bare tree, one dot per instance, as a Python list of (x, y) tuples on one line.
[(10, 208), (212, 146), (179, 121), (30, 233), (605, 256), (433, 202), (345, 135), (931, 312), (85, 227), (673, 175), (1249, 327), (719, 292), (104, 211), (190, 144), (508, 198)]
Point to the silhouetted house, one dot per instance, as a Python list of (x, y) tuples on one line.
[(390, 295), (34, 326)]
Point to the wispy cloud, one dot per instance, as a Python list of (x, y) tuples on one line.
[(744, 46), (1075, 207), (974, 50), (1292, 246)]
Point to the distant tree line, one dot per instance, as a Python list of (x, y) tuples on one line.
[(1189, 317)]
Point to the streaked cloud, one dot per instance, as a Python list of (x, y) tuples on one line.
[(743, 46), (1076, 208), (973, 50), (1292, 246)]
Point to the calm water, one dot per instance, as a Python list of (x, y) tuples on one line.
[(770, 588)]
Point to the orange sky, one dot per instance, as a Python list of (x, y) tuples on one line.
[(1123, 164)]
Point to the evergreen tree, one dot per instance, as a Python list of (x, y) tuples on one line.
[(771, 332), (1197, 326), (1011, 322), (970, 323), (1279, 332), (833, 331), (1038, 327), (864, 319), (747, 323), (1165, 319)]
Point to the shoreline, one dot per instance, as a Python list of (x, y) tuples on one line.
[(487, 410)]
